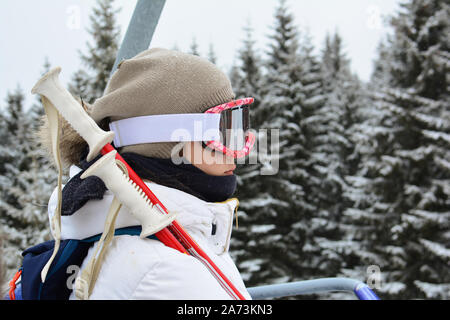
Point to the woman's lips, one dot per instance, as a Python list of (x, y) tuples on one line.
[(230, 172)]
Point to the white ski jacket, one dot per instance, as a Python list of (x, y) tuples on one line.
[(135, 268)]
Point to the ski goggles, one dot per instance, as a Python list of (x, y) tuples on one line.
[(223, 128)]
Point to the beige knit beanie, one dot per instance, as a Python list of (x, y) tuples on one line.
[(160, 81)]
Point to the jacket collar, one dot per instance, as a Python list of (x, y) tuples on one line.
[(195, 215)]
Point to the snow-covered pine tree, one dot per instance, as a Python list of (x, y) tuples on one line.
[(247, 81), (308, 226), (90, 83), (404, 171), (24, 184), (245, 76), (80, 85), (330, 141), (3, 267), (278, 235), (212, 56), (193, 49), (3, 282), (328, 124)]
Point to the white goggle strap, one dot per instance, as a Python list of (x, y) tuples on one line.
[(166, 128)]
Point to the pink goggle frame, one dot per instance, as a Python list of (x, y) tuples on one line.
[(249, 136)]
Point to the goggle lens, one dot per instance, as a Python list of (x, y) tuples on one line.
[(236, 140), (234, 124)]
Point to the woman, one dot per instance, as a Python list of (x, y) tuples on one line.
[(165, 108)]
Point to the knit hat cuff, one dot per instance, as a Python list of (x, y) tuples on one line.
[(223, 95)]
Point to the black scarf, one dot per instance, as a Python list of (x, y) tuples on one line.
[(184, 177)]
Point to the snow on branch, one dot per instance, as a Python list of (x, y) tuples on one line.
[(433, 290), (437, 249)]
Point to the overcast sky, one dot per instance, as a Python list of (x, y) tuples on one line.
[(33, 30)]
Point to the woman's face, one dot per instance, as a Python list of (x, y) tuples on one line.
[(209, 161)]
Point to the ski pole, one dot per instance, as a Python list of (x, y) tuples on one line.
[(140, 29)]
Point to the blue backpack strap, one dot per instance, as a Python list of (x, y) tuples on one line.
[(132, 231), (71, 253)]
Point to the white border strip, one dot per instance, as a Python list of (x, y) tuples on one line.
[(166, 128)]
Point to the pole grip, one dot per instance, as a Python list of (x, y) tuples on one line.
[(129, 194), (51, 88)]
